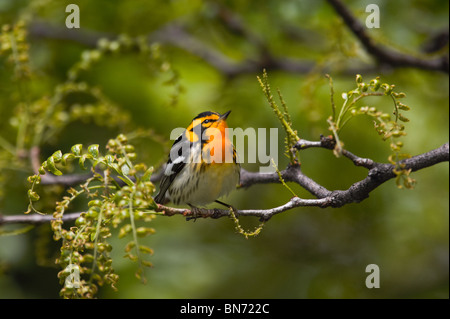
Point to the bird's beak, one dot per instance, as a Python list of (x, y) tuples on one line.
[(224, 116)]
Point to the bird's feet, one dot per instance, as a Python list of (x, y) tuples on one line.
[(196, 212)]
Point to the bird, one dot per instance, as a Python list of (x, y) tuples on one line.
[(202, 164)]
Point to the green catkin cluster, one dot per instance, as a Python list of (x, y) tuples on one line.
[(14, 45), (39, 119), (282, 115), (119, 194), (387, 126)]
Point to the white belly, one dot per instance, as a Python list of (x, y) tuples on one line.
[(199, 188)]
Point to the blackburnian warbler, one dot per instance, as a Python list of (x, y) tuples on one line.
[(202, 164)]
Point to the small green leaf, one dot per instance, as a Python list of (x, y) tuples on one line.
[(376, 84), (402, 106), (130, 246), (52, 167), (42, 169), (81, 161), (398, 133), (109, 158), (132, 156), (141, 167), (80, 221), (148, 173), (124, 230), (399, 95), (402, 118), (125, 169), (33, 196), (66, 157), (131, 256), (364, 87), (126, 180), (387, 88), (57, 156), (129, 148), (146, 263), (95, 202), (34, 179), (115, 167), (145, 250), (76, 149), (145, 231), (93, 150), (122, 139)]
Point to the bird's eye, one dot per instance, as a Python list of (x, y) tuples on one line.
[(208, 121)]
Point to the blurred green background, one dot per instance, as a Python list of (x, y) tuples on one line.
[(302, 253)]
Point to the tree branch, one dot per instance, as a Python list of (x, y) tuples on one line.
[(88, 38), (35, 219), (329, 143), (175, 34), (384, 55), (292, 173), (378, 173)]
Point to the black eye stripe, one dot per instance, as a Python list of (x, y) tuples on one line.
[(208, 121)]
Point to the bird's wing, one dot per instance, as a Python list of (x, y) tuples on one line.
[(178, 157)]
